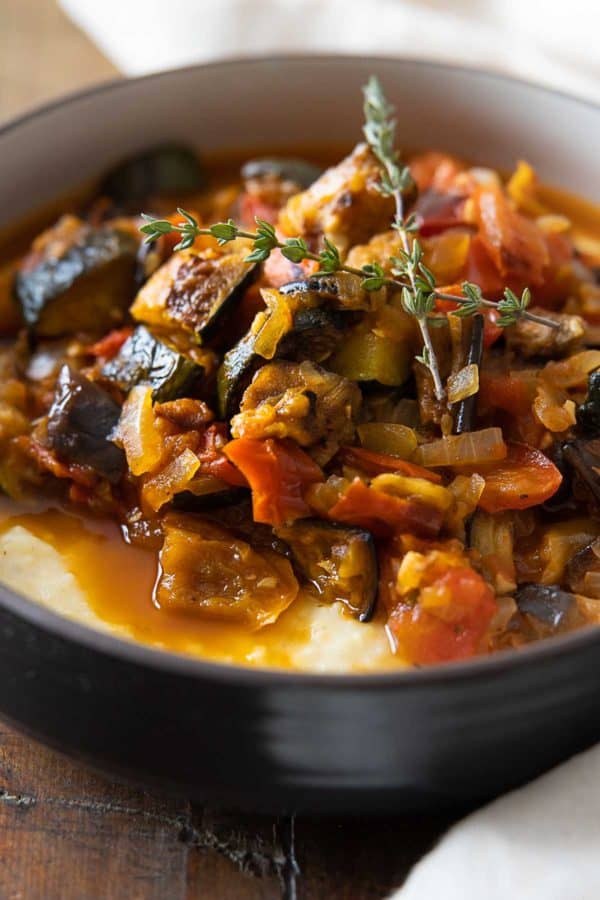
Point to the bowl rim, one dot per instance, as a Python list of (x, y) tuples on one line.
[(131, 650)]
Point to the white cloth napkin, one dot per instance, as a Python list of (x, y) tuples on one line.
[(553, 41), (541, 842)]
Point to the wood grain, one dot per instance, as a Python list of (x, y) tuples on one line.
[(69, 834)]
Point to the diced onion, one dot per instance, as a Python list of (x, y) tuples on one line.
[(385, 437), (573, 371), (464, 384), (171, 480), (552, 408), (137, 433), (468, 449)]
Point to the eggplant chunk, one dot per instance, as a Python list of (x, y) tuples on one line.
[(235, 374), (285, 168), (80, 422), (551, 607), (588, 412), (533, 339), (143, 359), (583, 571), (85, 286), (583, 457), (209, 571), (285, 331), (340, 563), (162, 170), (344, 205), (301, 401), (195, 292), (340, 290)]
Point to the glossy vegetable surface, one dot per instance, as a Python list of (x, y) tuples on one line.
[(259, 411)]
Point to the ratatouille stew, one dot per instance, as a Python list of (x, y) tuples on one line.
[(353, 410)]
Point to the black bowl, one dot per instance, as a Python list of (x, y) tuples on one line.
[(269, 740)]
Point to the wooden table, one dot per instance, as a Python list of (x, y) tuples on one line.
[(68, 834)]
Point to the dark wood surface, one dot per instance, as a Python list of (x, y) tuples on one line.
[(68, 834)]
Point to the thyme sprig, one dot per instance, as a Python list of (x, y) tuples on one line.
[(410, 274), (418, 282)]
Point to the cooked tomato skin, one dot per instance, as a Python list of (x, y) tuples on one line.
[(373, 463), (464, 606), (525, 478), (383, 514), (278, 472)]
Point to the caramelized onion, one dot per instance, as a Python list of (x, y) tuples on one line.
[(468, 449)]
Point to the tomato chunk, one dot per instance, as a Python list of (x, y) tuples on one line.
[(212, 459), (278, 473), (448, 621), (383, 514), (526, 477), (372, 463)]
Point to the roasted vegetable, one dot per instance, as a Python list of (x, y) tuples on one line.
[(81, 421), (195, 291), (339, 562), (525, 478), (144, 359), (531, 339), (300, 401), (464, 411), (235, 374), (85, 287), (583, 457), (583, 570), (162, 170), (552, 607), (588, 413), (278, 473), (207, 570), (440, 607), (344, 205), (286, 168), (375, 507), (340, 290)]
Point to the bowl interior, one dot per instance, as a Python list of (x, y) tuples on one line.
[(282, 102), (297, 100)]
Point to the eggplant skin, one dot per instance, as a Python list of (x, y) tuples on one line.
[(168, 169), (195, 292), (143, 359), (588, 412), (286, 168), (316, 333), (547, 603), (88, 288), (80, 422), (340, 562), (235, 374)]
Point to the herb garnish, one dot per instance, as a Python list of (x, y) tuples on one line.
[(410, 274)]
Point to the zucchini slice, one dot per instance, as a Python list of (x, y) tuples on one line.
[(80, 422), (286, 330), (143, 359), (339, 562), (235, 374), (169, 169), (87, 287), (195, 292)]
